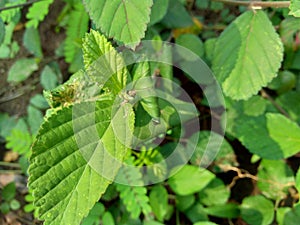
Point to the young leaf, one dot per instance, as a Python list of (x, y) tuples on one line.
[(247, 43), (125, 21), (76, 28), (21, 70), (37, 13), (32, 41), (190, 179), (134, 197), (102, 62), (70, 157), (295, 8), (257, 210)]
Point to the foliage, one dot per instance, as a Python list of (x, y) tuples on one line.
[(108, 122)]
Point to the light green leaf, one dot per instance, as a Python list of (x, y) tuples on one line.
[(158, 10), (215, 193), (21, 70), (274, 178), (254, 106), (205, 223), (108, 219), (76, 28), (295, 8), (2, 31), (125, 21), (32, 41), (34, 119), (67, 183), (285, 132), (247, 43), (190, 179), (37, 13), (159, 201), (257, 210), (102, 62), (19, 141), (298, 180)]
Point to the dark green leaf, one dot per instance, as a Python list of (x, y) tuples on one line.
[(191, 42), (184, 202), (108, 219), (229, 210), (9, 191), (158, 10), (2, 31)]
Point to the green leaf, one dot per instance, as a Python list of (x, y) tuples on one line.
[(177, 16), (39, 102), (9, 191), (196, 213), (144, 86), (193, 43), (21, 70), (284, 82), (7, 123), (288, 216), (94, 216), (32, 41), (8, 15), (159, 201), (108, 219), (215, 193), (48, 78), (76, 28), (229, 210), (255, 106), (247, 43), (257, 210), (184, 202), (273, 178), (132, 191), (34, 119), (2, 31), (290, 102), (204, 223), (14, 204), (19, 141), (190, 179), (285, 132), (37, 13), (298, 181), (158, 10), (295, 8), (210, 146), (67, 183), (125, 21), (102, 62)]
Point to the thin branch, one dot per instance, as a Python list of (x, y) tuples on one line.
[(265, 95), (19, 5), (9, 164), (256, 4)]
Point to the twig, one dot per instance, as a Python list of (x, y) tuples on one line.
[(11, 171), (9, 164), (265, 95), (254, 4), (19, 5)]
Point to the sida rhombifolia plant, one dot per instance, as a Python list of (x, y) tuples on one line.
[(97, 115)]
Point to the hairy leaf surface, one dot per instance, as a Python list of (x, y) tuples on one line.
[(73, 153), (248, 55), (125, 21)]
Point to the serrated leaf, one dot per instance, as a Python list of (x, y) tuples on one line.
[(102, 62), (295, 8), (37, 13), (21, 70), (257, 210), (32, 41), (76, 28), (125, 21), (69, 159), (190, 179), (247, 43)]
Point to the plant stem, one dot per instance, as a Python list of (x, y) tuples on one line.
[(19, 5), (11, 171), (265, 95), (16, 165), (254, 4)]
